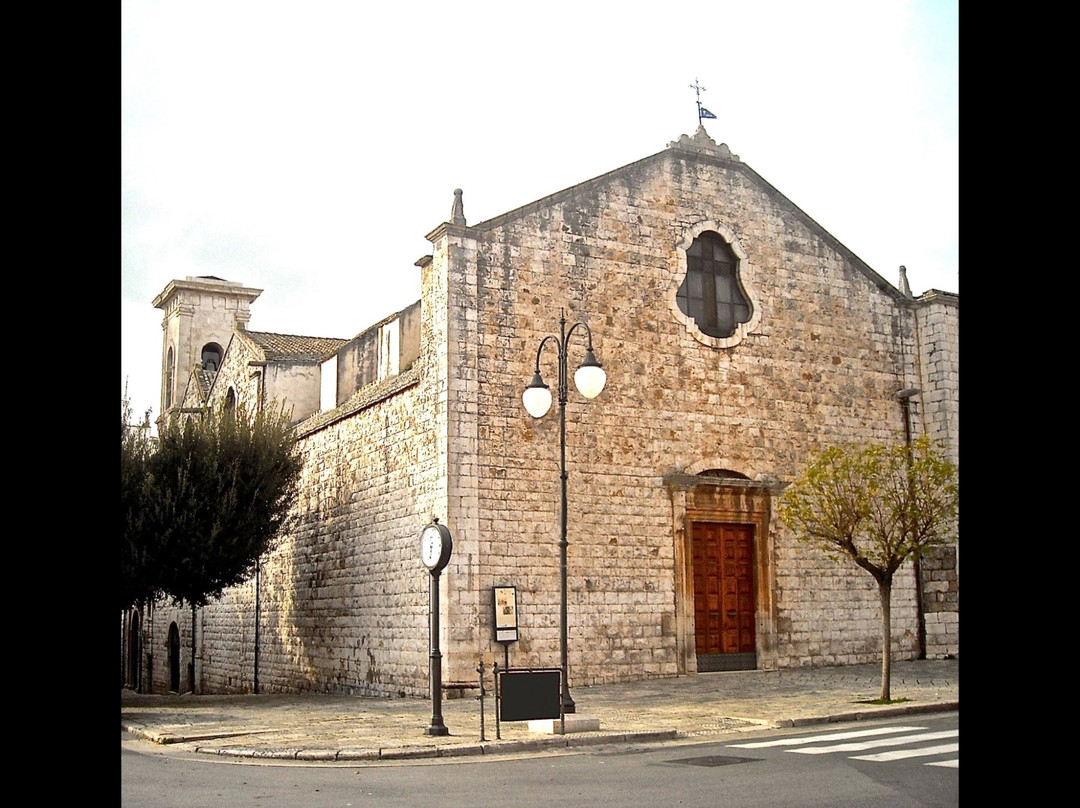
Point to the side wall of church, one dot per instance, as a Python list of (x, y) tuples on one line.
[(938, 405), (937, 414), (342, 598)]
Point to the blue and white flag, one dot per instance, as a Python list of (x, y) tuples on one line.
[(705, 113)]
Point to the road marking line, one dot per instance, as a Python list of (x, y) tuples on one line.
[(900, 754), (858, 747), (836, 736)]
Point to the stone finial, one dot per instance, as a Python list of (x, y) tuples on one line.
[(457, 212), (905, 287), (701, 142)]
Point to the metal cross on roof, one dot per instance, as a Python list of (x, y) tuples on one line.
[(701, 111)]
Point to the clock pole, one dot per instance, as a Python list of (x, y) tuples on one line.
[(435, 548), (437, 726)]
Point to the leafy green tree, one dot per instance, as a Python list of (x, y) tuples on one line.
[(203, 503), (224, 483), (877, 506), (138, 531)]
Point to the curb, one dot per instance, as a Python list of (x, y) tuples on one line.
[(482, 748), (881, 712), (500, 747)]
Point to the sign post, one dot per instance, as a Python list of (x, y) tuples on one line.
[(504, 599)]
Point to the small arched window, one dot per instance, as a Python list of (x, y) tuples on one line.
[(230, 401), (211, 356), (170, 374), (710, 293)]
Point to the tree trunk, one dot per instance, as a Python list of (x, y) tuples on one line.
[(885, 592)]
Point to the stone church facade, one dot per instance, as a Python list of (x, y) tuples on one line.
[(738, 337)]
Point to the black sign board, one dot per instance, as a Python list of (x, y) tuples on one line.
[(530, 695)]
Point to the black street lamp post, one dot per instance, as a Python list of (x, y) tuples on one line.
[(589, 379)]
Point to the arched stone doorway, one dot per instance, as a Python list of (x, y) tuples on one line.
[(724, 571)]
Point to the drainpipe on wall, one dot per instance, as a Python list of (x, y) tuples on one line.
[(258, 585), (150, 646), (260, 396), (905, 396), (191, 666), (125, 646)]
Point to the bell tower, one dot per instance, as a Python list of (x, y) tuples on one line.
[(201, 314)]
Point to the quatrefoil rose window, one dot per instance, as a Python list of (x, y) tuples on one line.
[(712, 300)]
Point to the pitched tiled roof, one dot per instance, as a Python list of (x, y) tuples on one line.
[(205, 378), (289, 346)]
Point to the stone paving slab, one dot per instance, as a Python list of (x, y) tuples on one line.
[(321, 727)]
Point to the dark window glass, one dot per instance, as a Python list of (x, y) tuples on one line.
[(710, 294), (211, 356), (170, 372)]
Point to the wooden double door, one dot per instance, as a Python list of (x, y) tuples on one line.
[(724, 602)]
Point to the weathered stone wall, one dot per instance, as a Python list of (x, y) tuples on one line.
[(292, 385), (358, 364), (830, 614), (225, 659), (822, 367), (936, 413), (235, 374), (409, 320), (360, 361), (937, 407), (344, 599), (346, 596), (941, 602)]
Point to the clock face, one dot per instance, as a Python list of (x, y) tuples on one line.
[(431, 546)]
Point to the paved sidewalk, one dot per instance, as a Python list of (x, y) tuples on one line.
[(317, 727)]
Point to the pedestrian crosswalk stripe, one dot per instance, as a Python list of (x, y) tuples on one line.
[(858, 747), (900, 754), (834, 736), (863, 740)]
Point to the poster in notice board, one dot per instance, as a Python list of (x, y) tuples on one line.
[(505, 602)]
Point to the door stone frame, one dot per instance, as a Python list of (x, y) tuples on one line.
[(703, 498)]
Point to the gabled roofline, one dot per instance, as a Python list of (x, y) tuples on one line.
[(559, 196), (700, 148)]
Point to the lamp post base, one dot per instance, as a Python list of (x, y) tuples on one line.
[(568, 706)]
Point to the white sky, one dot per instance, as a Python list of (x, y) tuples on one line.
[(306, 148)]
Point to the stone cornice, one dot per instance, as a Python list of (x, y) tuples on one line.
[(680, 480), (206, 285)]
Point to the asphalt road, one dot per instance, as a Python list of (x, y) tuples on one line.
[(883, 763)]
